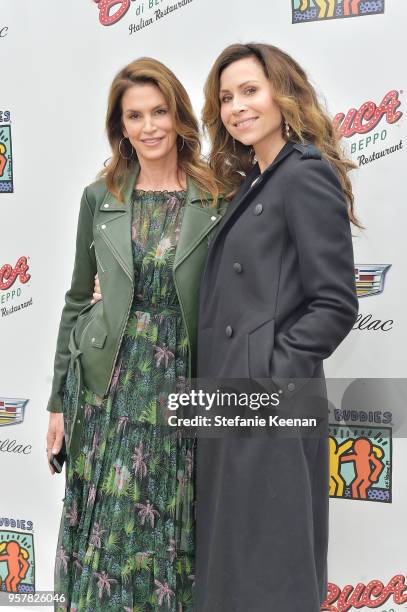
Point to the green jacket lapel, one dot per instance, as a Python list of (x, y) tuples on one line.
[(114, 225), (198, 221)]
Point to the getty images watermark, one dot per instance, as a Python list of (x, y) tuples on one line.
[(196, 400)]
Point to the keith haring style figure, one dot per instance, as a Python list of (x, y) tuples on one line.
[(17, 565), (368, 466)]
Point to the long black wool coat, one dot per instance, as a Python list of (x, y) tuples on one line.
[(277, 297)]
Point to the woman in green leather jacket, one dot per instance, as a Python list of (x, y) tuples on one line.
[(127, 528)]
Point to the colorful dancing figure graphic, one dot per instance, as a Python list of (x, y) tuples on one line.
[(364, 456), (17, 565), (336, 481)]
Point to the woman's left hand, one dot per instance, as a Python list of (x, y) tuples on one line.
[(55, 436)]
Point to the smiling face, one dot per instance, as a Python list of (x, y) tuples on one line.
[(247, 107), (148, 122)]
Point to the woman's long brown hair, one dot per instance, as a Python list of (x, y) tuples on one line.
[(117, 170), (299, 106)]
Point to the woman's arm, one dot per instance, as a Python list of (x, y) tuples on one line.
[(76, 298), (318, 223)]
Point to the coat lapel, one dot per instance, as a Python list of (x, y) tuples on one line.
[(198, 220), (251, 183)]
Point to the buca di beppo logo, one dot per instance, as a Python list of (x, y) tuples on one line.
[(8, 274), (9, 293), (111, 11), (367, 117), (359, 126), (372, 595)]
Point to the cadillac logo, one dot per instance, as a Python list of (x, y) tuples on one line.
[(370, 278), (12, 410)]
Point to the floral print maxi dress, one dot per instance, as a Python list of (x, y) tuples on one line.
[(126, 540)]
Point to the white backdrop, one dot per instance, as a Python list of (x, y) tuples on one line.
[(57, 62)]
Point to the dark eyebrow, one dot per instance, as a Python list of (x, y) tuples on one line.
[(241, 85), (131, 110)]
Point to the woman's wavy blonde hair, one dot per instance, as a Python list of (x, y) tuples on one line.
[(298, 103), (118, 169)]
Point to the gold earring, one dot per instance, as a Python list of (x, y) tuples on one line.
[(120, 151)]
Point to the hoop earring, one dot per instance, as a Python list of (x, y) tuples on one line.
[(286, 129), (120, 150)]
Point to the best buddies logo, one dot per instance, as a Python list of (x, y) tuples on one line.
[(315, 10), (17, 560), (147, 11), (370, 128), (360, 462), (6, 159), (10, 292)]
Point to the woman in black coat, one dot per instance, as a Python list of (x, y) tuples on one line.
[(277, 297)]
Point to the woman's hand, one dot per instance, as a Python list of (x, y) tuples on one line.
[(96, 291), (55, 436)]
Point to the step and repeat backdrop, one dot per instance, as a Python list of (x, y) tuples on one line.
[(57, 62)]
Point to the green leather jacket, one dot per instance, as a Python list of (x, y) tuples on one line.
[(90, 334)]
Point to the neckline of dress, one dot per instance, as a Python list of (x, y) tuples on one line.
[(160, 191)]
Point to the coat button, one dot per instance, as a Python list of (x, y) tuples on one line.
[(93, 340), (237, 267), (291, 386), (213, 218), (258, 209), (103, 226), (106, 205), (229, 331)]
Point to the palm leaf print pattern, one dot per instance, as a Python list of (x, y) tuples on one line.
[(126, 539)]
